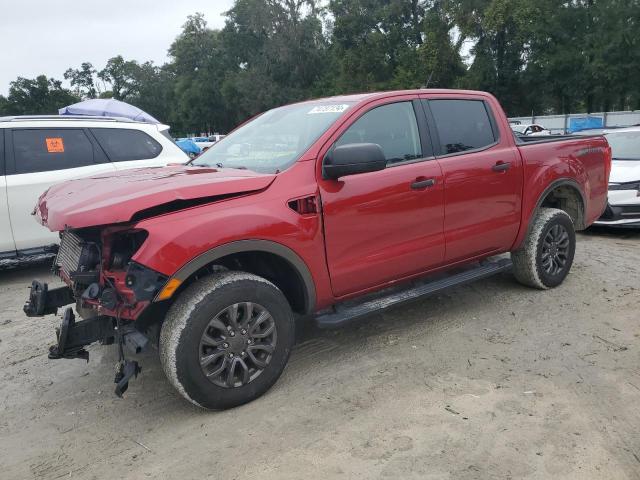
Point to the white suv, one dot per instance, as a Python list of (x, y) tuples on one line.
[(38, 151)]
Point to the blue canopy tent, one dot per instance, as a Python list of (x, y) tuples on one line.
[(107, 107)]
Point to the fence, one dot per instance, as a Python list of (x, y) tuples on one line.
[(573, 122)]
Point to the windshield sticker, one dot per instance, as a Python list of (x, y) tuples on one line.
[(55, 145), (339, 108)]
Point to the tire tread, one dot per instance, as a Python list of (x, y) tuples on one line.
[(525, 267)]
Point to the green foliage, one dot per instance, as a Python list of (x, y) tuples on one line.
[(40, 95), (546, 56), (83, 81), (122, 76), (376, 43), (275, 51), (195, 76)]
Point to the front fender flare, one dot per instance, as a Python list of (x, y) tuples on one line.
[(240, 246)]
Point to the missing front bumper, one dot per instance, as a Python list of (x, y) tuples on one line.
[(43, 301), (72, 337)]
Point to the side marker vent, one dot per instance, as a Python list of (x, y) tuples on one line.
[(305, 205)]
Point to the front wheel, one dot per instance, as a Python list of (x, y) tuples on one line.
[(545, 258), (226, 339)]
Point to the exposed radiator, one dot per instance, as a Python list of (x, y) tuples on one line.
[(70, 253)]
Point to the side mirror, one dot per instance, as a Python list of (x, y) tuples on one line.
[(353, 158)]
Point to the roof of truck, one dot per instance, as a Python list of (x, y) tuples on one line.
[(358, 97)]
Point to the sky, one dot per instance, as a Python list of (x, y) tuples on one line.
[(49, 36)]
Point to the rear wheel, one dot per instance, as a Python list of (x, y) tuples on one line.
[(227, 339), (546, 256)]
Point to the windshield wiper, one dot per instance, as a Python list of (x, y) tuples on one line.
[(240, 167)]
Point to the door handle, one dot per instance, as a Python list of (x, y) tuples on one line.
[(418, 184), (501, 166)]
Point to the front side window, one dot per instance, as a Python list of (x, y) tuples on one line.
[(122, 144), (393, 127), (461, 125), (42, 150), (273, 141)]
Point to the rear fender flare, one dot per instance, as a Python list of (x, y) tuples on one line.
[(562, 182)]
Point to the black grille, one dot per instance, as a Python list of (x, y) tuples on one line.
[(69, 254)]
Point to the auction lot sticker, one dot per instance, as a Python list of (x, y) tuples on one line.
[(338, 108), (55, 145)]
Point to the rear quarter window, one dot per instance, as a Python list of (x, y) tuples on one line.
[(122, 144), (462, 125), (47, 149)]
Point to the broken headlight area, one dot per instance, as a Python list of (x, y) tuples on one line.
[(109, 291), (97, 267)]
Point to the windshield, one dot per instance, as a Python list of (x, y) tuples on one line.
[(275, 140), (518, 128), (624, 145)]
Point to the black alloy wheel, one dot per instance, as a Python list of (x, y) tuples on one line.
[(237, 344)]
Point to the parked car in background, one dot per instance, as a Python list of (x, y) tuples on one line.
[(529, 129), (332, 209), (39, 151), (623, 207), (205, 142), (189, 147)]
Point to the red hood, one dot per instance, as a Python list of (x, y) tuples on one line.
[(117, 197)]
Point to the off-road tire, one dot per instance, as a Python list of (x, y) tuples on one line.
[(189, 317), (528, 261)]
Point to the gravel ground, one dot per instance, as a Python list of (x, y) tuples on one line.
[(491, 380)]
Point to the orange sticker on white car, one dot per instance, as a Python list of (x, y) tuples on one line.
[(55, 145)]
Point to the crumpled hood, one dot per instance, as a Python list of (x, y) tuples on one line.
[(117, 197), (623, 171)]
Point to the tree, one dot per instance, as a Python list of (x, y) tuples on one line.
[(82, 80), (374, 41), (545, 56), (41, 95), (121, 75), (154, 91), (439, 61), (4, 105), (501, 31), (276, 53), (198, 71)]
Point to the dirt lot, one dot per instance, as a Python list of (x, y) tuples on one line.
[(491, 381)]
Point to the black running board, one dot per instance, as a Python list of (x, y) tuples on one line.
[(349, 311)]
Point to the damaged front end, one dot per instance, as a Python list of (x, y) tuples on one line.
[(109, 290)]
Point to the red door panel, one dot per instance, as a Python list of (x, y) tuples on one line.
[(482, 205), (378, 229), (482, 176)]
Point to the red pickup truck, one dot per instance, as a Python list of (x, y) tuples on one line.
[(330, 208)]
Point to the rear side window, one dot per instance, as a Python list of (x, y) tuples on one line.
[(393, 127), (461, 125), (122, 144), (46, 149)]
